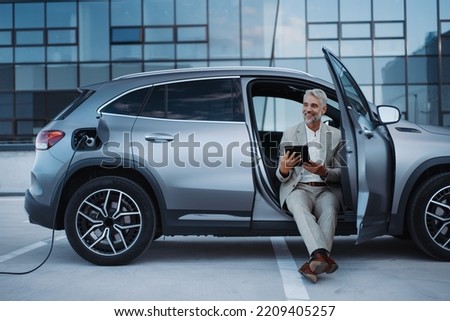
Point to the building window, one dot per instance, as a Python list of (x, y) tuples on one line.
[(126, 35)]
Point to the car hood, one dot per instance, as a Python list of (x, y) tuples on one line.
[(436, 129)]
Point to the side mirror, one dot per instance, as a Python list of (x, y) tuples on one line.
[(388, 114)]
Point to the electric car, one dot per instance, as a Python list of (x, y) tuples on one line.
[(194, 152)]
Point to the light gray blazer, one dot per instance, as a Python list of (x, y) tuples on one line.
[(330, 143)]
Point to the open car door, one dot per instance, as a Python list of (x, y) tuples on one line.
[(368, 169)]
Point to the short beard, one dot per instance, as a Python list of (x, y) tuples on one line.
[(315, 118)]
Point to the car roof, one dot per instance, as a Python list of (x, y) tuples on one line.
[(170, 75)]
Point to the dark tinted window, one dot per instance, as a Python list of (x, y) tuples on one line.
[(216, 100), (83, 95), (129, 104)]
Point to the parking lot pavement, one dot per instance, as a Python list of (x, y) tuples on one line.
[(208, 268)]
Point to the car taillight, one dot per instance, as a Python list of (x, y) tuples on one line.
[(48, 138)]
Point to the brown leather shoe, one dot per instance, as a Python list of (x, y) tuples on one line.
[(306, 271), (332, 266), (319, 263)]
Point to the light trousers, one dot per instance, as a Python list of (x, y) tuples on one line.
[(315, 212)]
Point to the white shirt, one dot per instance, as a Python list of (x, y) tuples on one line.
[(313, 149)]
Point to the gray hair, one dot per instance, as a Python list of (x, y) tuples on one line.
[(318, 93)]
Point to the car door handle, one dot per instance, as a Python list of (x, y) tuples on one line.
[(159, 138)]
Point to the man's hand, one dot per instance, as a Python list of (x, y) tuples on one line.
[(289, 161), (316, 168)]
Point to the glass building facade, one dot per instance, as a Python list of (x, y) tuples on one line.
[(398, 50)]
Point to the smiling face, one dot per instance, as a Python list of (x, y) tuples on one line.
[(313, 109)]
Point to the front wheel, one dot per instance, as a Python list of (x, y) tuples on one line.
[(110, 221), (429, 220)]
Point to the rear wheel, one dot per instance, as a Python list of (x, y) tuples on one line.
[(110, 221), (429, 221)]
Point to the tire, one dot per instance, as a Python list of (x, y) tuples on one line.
[(429, 217), (110, 221)]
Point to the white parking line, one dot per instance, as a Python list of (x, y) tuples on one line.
[(294, 288), (27, 249)]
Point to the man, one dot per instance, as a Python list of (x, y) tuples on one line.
[(311, 190)]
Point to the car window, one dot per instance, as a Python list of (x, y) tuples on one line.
[(128, 104), (84, 95), (355, 98), (211, 99), (278, 105)]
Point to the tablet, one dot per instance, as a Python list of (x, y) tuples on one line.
[(300, 149)]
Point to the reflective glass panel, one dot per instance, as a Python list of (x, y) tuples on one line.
[(62, 36), (24, 105), (315, 47), (6, 105), (191, 12), (29, 15), (422, 70), (355, 10), (6, 128), (125, 12), (388, 47), (352, 48), (159, 52), (445, 28), (30, 54), (224, 34), (258, 19), (391, 95), (390, 70), (444, 9), (61, 14), (389, 30), (385, 10), (25, 127), (421, 36), (322, 31), (159, 12), (6, 16), (192, 51), (319, 68), (126, 35), (7, 77), (290, 40), (93, 73), (5, 38), (186, 34), (355, 30), (446, 68), (126, 52), (94, 31), (30, 37), (6, 55), (445, 45), (446, 99), (322, 11), (158, 34), (423, 104), (30, 77), (360, 68), (62, 76), (61, 53)]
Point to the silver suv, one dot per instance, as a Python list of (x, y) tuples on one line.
[(194, 152)]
